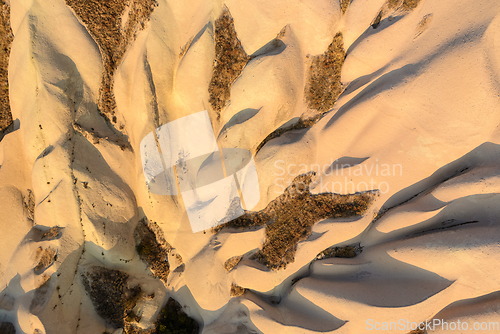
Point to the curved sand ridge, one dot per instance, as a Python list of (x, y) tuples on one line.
[(87, 249)]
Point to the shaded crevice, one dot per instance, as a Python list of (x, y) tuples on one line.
[(401, 7), (152, 87), (446, 225), (95, 138), (193, 40), (76, 194), (302, 123), (383, 211), (378, 19), (272, 48)]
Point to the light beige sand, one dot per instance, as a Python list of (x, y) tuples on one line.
[(416, 122)]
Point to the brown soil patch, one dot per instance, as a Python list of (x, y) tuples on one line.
[(230, 59), (290, 217), (6, 38)]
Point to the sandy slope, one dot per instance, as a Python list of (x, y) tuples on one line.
[(417, 120)]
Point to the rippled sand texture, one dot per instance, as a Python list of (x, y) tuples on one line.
[(374, 128)]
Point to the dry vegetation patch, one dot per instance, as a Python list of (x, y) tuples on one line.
[(152, 249), (6, 38), (113, 300), (344, 4), (403, 4), (237, 290), (290, 217), (173, 319), (324, 85), (423, 25), (29, 204), (103, 19), (232, 262), (230, 59), (40, 234), (346, 252), (45, 258), (7, 328)]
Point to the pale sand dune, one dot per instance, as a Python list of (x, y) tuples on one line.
[(87, 248)]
